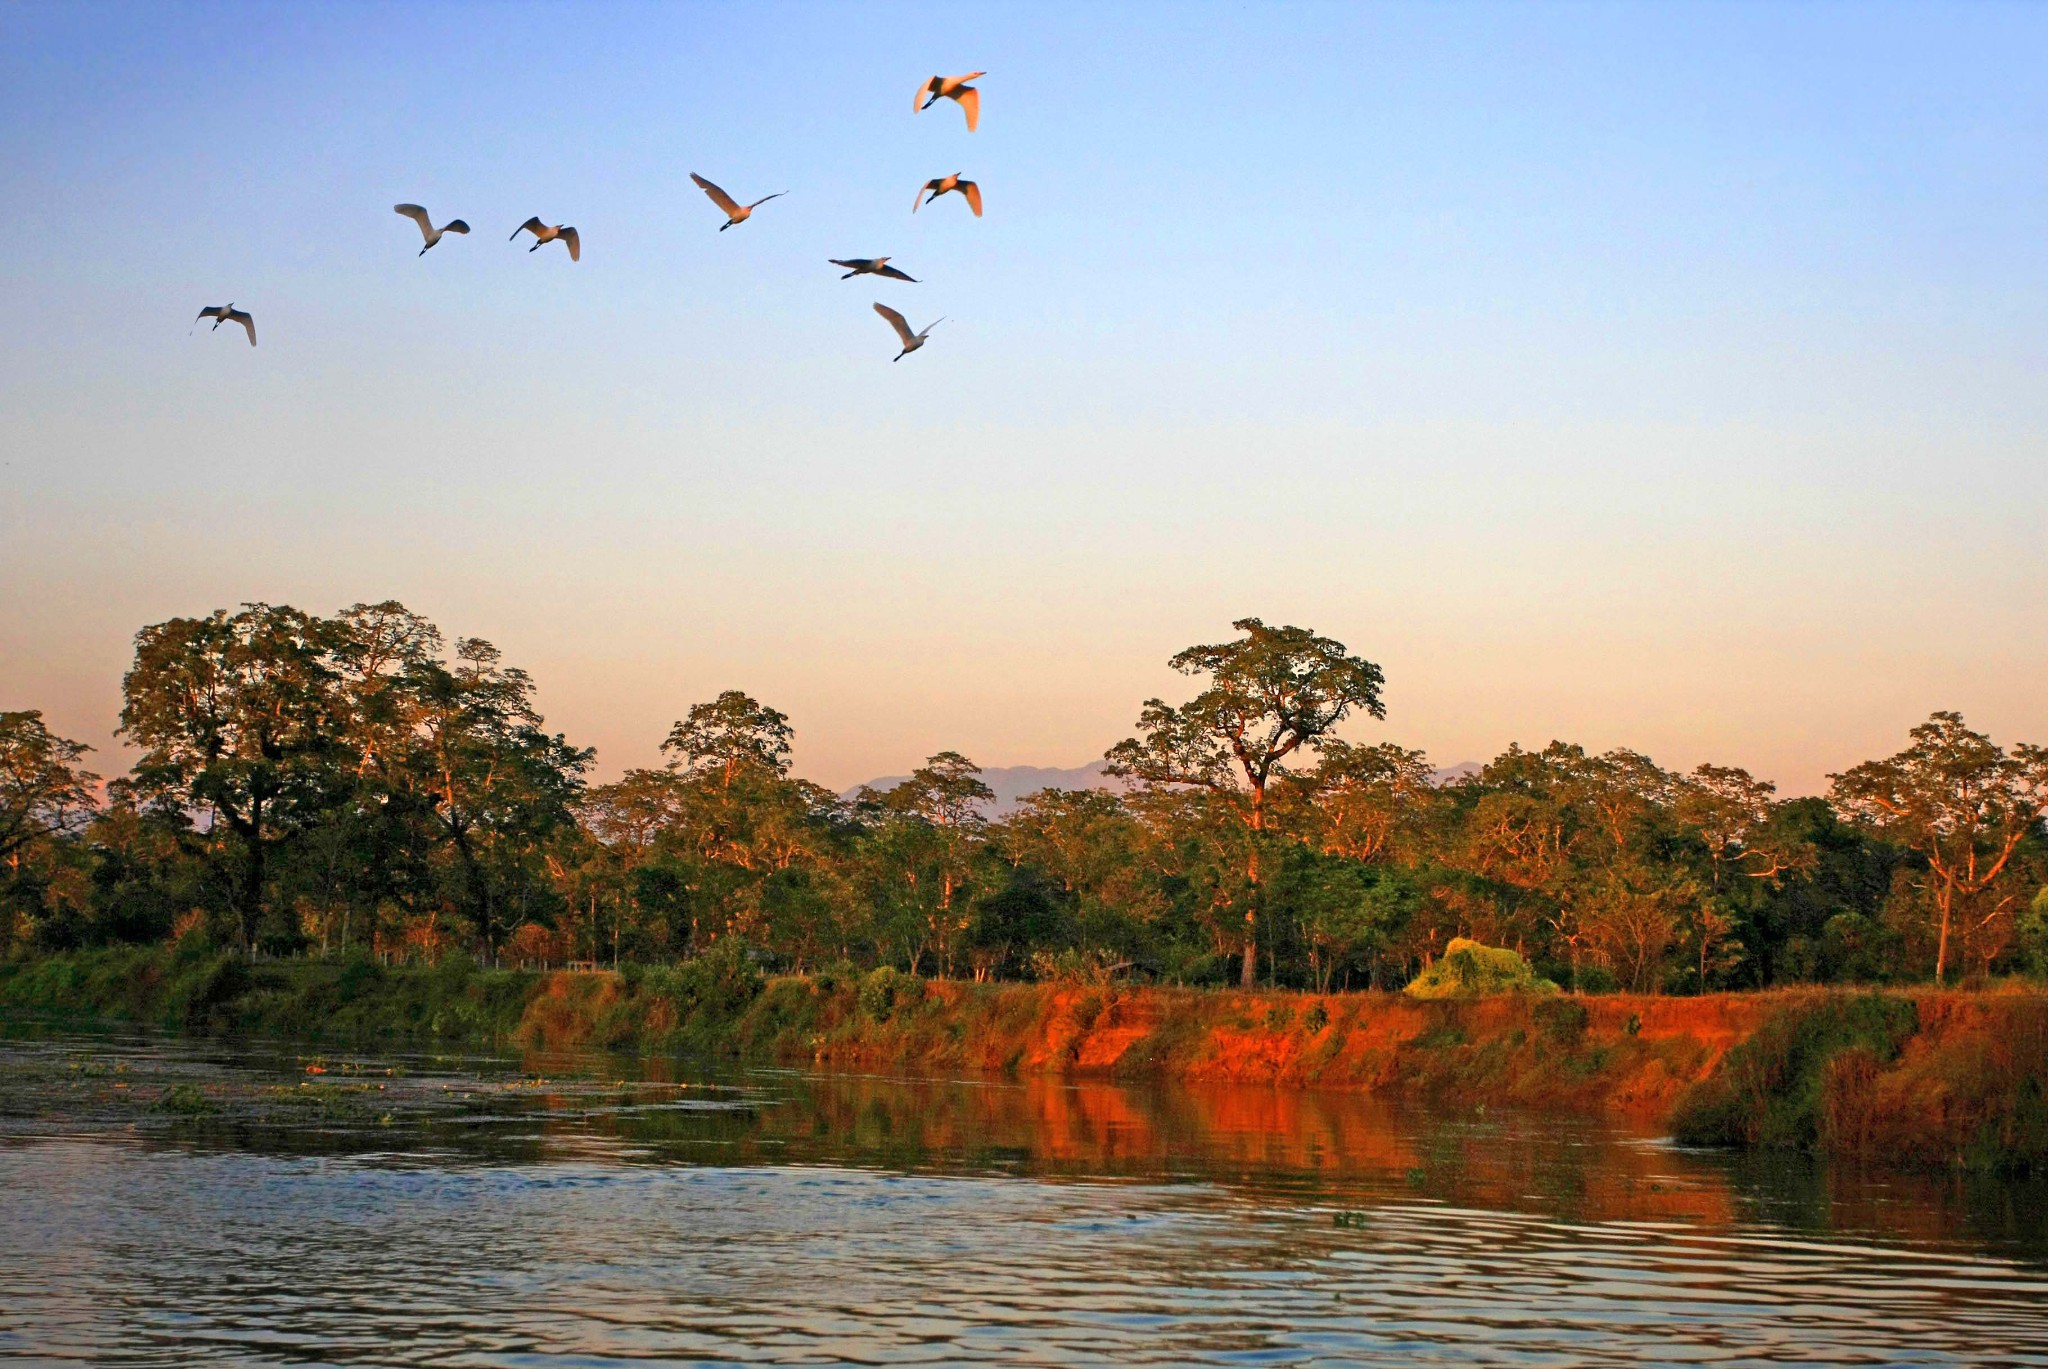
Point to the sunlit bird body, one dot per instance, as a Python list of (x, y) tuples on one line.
[(911, 341), (735, 212), (870, 266), (953, 88), (427, 229), (227, 313), (939, 185), (543, 235)]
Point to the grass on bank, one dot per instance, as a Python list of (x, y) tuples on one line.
[(1927, 1077)]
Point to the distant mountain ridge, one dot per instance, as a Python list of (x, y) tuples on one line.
[(1012, 783)]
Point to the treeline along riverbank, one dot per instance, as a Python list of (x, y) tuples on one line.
[(327, 784), (1927, 1077)]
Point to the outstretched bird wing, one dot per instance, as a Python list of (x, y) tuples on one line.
[(894, 274), (896, 322), (718, 197), (923, 92), (455, 226), (532, 225), (418, 216), (212, 311), (857, 264), (973, 194), (246, 320), (932, 186), (575, 244), (970, 100)]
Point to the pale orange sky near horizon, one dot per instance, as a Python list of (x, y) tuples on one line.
[(987, 634), (1665, 377)]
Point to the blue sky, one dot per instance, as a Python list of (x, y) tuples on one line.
[(1667, 376)]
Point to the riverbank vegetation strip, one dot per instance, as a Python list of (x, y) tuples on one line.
[(1925, 1077)]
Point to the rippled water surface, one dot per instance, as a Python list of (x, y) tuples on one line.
[(164, 1203)]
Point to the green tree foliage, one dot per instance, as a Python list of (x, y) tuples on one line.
[(2033, 934), (731, 734), (1271, 693), (44, 790), (46, 796), (342, 763), (238, 720), (929, 833), (354, 785), (1348, 911), (500, 785), (1964, 806)]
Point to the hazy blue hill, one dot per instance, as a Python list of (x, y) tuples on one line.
[(1013, 782)]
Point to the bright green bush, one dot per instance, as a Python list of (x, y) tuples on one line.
[(1468, 969)]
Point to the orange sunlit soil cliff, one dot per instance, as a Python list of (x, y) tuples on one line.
[(1929, 1076), (1933, 1077)]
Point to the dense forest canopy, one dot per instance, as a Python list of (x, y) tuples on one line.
[(352, 785)]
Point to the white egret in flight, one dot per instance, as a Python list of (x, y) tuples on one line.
[(953, 88), (911, 341), (427, 229), (939, 185), (543, 235), (870, 266), (735, 212), (227, 313)]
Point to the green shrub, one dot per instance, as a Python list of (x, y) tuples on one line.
[(708, 995), (1596, 979), (1769, 1090), (1443, 1036), (359, 974), (1563, 1020), (1467, 969), (200, 992), (2032, 935), (836, 976), (886, 989), (787, 1010)]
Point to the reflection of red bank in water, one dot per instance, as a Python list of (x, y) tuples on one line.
[(1930, 1077)]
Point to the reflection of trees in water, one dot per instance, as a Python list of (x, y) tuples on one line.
[(1335, 1149), (1919, 1208)]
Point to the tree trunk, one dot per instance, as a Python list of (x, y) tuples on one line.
[(1947, 900), (252, 895), (1249, 977)]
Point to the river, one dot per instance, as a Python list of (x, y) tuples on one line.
[(170, 1202)]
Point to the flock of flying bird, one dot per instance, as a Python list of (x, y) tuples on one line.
[(954, 88)]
